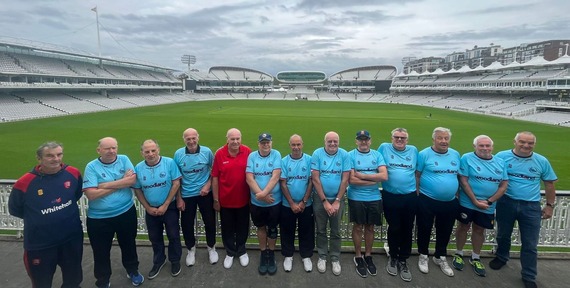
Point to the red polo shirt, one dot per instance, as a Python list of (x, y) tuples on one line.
[(233, 191)]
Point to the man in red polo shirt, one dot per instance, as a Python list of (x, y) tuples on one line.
[(231, 196)]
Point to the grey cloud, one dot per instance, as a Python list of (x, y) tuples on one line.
[(310, 4), (501, 9)]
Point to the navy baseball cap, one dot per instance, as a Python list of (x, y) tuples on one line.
[(264, 136), (362, 134)]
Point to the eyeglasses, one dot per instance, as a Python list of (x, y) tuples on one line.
[(399, 138)]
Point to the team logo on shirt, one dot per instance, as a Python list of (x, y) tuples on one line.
[(256, 165), (270, 164), (56, 201), (144, 178), (290, 169), (304, 169), (453, 163), (162, 175), (373, 162), (407, 158), (67, 184), (478, 168), (103, 175), (122, 170), (510, 165), (324, 162), (338, 163), (40, 192), (498, 172), (532, 170), (435, 163)]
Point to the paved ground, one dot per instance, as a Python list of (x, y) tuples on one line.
[(552, 273)]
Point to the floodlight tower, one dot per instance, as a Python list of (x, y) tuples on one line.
[(188, 59)]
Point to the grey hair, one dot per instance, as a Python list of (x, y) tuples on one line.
[(440, 129), (149, 141), (481, 137), (47, 145), (525, 133)]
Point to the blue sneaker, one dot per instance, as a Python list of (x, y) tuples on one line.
[(136, 278)]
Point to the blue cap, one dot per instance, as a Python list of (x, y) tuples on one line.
[(264, 136), (362, 134)]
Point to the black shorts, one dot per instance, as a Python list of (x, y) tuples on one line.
[(265, 216), (365, 212), (484, 220)]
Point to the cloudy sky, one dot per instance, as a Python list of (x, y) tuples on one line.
[(273, 36)]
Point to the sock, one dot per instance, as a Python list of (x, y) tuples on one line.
[(459, 252), (475, 256)]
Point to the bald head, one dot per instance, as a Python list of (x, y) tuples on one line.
[(107, 149), (191, 139), (331, 142)]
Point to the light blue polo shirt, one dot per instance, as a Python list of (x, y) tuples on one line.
[(439, 173), (195, 169), (297, 173), (366, 163), (330, 169), (262, 169), (156, 181), (401, 166)]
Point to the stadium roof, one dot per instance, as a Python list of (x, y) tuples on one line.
[(537, 62), (15, 44)]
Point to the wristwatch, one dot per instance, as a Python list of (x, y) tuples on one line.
[(336, 199), (551, 204), (489, 202)]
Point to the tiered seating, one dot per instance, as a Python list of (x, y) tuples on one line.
[(9, 65), (44, 65)]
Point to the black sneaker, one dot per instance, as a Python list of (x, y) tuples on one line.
[(175, 269), (155, 270), (496, 263), (271, 264), (263, 262), (360, 266), (529, 284), (370, 265)]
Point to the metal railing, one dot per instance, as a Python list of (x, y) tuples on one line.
[(554, 232)]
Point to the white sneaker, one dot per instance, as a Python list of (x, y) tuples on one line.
[(423, 263), (228, 262), (308, 264), (442, 263), (191, 257), (336, 268), (322, 265), (244, 260), (288, 264), (213, 255)]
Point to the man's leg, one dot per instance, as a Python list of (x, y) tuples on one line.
[(529, 227)]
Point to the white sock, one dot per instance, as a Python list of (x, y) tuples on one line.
[(459, 252), (475, 256)]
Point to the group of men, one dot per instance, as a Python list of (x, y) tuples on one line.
[(297, 194)]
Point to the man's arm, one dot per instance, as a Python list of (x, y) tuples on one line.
[(464, 182), (380, 176), (171, 194), (140, 196), (215, 193), (418, 176), (128, 180), (207, 187), (550, 192)]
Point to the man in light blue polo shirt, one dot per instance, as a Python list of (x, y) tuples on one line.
[(107, 185), (483, 179), (297, 208), (158, 181), (263, 172), (437, 181), (399, 198), (195, 163), (330, 170), (521, 203), (364, 200)]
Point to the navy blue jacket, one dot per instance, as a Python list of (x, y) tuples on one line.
[(48, 205)]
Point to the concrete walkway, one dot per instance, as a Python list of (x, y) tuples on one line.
[(552, 272)]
